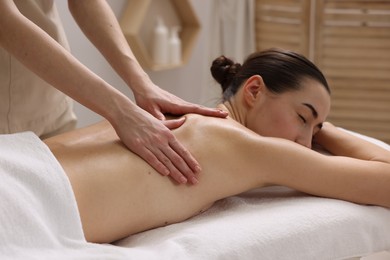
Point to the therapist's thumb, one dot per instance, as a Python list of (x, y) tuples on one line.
[(174, 123)]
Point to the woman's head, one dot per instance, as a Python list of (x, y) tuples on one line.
[(275, 93)]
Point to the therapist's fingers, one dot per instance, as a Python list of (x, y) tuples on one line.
[(167, 156), (179, 149), (176, 157), (149, 138), (180, 163), (183, 161)]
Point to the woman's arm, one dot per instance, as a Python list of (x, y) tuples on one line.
[(341, 143), (360, 171)]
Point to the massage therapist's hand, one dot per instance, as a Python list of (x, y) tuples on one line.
[(151, 138), (155, 143), (159, 102)]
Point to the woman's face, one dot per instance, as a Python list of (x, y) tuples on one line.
[(293, 115)]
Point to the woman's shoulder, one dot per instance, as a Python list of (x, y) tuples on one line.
[(200, 121), (227, 130), (206, 125)]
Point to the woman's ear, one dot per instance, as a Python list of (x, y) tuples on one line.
[(253, 88)]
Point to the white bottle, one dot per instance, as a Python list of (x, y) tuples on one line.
[(175, 46), (160, 51)]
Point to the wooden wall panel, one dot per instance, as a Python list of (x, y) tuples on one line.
[(353, 50), (283, 23)]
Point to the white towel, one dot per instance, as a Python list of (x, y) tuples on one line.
[(35, 197), (39, 218)]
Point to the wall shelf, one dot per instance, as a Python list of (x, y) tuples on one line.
[(138, 20)]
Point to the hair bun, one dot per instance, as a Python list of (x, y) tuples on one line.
[(223, 71)]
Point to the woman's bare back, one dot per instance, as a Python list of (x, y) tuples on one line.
[(119, 194)]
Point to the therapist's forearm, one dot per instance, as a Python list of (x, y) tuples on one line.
[(49, 60), (99, 24)]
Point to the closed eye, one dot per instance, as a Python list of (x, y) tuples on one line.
[(302, 118)]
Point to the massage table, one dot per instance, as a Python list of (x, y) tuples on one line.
[(39, 220)]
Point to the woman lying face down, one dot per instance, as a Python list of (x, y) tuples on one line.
[(277, 101), (275, 93)]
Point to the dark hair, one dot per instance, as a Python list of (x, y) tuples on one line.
[(281, 71)]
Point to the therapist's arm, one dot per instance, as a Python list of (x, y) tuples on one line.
[(140, 131), (99, 24)]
